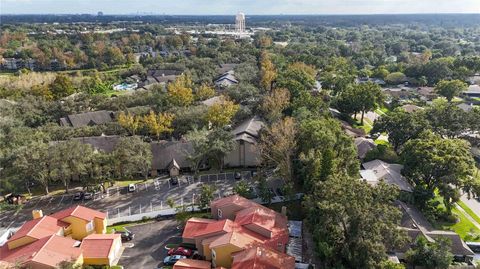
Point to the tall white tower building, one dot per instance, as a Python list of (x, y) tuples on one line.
[(240, 23)]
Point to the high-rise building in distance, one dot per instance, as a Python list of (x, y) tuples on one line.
[(240, 23)]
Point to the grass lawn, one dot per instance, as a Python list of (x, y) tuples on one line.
[(463, 227), (124, 183), (382, 142), (382, 111), (120, 227), (469, 211)]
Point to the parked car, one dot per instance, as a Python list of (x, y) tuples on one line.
[(126, 235), (88, 196), (78, 196), (237, 175), (180, 251), (174, 180), (131, 187), (171, 260)]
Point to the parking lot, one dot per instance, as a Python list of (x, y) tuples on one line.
[(118, 201), (147, 249)]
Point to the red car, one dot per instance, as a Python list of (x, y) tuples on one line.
[(180, 251)]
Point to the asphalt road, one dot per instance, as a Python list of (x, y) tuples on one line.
[(119, 202), (148, 248)]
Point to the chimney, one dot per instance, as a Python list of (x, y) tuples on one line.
[(37, 213), (284, 210)]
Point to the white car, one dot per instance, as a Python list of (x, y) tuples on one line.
[(131, 187)]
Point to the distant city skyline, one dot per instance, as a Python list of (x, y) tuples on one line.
[(231, 7)]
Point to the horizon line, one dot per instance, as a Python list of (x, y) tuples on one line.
[(254, 14)]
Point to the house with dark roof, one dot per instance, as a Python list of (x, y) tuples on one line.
[(225, 68), (87, 119), (226, 80), (461, 252), (245, 152), (364, 145), (170, 156)]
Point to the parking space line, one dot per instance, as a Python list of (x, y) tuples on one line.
[(49, 201), (61, 199), (41, 198)]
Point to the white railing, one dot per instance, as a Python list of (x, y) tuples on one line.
[(117, 218)]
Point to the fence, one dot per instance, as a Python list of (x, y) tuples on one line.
[(112, 219)]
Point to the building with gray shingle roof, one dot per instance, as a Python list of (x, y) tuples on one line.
[(246, 152), (87, 119), (364, 145), (390, 173)]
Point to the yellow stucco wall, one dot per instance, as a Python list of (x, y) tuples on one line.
[(223, 255), (100, 226), (96, 261), (20, 242), (78, 227)]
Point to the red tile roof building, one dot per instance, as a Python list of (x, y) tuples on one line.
[(262, 258), (192, 264), (46, 252), (44, 243), (242, 224)]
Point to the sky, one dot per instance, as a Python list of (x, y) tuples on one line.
[(226, 7)]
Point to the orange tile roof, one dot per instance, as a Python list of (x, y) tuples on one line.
[(259, 257), (239, 237), (192, 264), (195, 226), (39, 228), (261, 216), (98, 245), (233, 199), (50, 251), (80, 212)]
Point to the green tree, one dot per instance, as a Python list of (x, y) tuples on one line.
[(62, 86), (277, 147), (324, 150), (447, 119), (243, 189), (297, 78), (69, 159), (32, 162), (206, 196), (450, 88), (396, 78), (353, 220), (132, 156), (437, 163), (400, 126), (430, 255)]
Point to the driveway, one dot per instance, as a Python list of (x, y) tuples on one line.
[(148, 248)]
